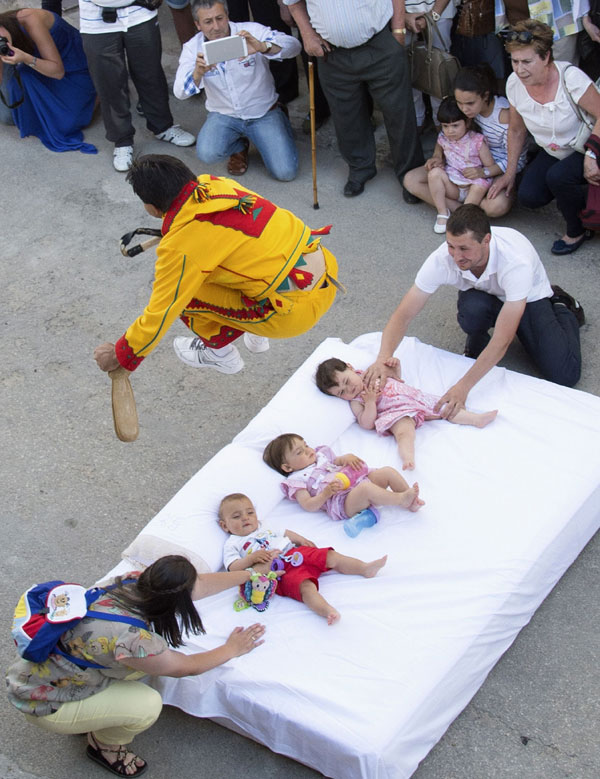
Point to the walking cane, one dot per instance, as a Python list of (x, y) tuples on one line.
[(313, 130)]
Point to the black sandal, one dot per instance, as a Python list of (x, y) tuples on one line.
[(119, 766)]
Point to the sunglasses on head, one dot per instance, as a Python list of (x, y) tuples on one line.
[(525, 36)]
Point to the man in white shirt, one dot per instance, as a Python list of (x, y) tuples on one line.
[(502, 285), (121, 41), (241, 99), (360, 49)]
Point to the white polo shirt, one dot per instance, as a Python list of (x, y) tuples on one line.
[(514, 270), (90, 18)]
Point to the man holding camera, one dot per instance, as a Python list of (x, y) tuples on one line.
[(121, 40), (241, 99)]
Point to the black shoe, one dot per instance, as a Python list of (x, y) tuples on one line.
[(353, 188), (409, 198), (560, 296), (319, 122), (562, 247)]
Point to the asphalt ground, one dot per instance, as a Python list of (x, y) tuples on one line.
[(74, 496)]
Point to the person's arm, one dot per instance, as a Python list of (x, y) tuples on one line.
[(410, 305), (437, 158), (517, 132), (49, 63), (316, 502), (314, 44), (283, 46), (455, 398), (366, 413), (590, 102), (255, 558), (298, 540), (351, 460), (398, 21), (177, 664), (190, 70), (416, 22), (591, 28), (487, 162)]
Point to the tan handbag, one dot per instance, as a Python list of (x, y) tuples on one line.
[(433, 70)]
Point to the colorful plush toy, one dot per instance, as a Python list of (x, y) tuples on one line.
[(257, 592)]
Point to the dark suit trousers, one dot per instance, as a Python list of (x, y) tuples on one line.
[(379, 67)]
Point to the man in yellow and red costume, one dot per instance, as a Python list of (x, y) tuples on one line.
[(229, 263)]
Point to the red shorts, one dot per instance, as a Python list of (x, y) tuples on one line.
[(313, 565)]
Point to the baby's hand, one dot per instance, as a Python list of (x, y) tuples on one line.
[(353, 461), (434, 162), (260, 556), (334, 486), (473, 173), (370, 395)]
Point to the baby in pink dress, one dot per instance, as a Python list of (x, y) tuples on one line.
[(459, 167), (397, 409)]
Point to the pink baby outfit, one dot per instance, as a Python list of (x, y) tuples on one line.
[(461, 154), (313, 479), (398, 400)]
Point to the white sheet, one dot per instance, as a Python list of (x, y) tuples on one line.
[(508, 509)]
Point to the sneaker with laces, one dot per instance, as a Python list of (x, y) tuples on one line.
[(562, 297), (177, 136), (256, 343), (193, 352), (123, 158)]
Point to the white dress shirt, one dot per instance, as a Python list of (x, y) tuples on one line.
[(90, 18), (243, 88), (347, 23), (514, 270)]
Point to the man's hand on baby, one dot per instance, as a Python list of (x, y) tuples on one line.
[(376, 374), (451, 402)]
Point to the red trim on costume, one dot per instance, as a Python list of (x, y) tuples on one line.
[(322, 230), (126, 356), (301, 278), (255, 309), (250, 217), (177, 205)]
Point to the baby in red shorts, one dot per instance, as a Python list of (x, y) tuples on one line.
[(250, 545)]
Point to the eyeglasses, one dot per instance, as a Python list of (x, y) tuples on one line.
[(512, 36)]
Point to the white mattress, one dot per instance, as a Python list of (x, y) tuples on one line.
[(508, 508)]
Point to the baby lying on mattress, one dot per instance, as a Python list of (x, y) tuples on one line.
[(341, 486), (252, 546), (396, 409)]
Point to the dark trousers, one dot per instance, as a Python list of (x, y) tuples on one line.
[(547, 178), (109, 56), (52, 5), (378, 67), (549, 333), (284, 72)]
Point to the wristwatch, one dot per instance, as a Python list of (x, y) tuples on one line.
[(486, 173), (590, 153), (435, 16), (269, 46)]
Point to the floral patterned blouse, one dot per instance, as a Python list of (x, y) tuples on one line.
[(39, 689)]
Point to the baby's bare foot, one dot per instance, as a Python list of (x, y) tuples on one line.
[(416, 504), (408, 465), (485, 419), (373, 567), (408, 497), (333, 616)]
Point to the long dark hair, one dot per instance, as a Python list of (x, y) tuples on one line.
[(19, 37), (479, 79), (163, 597)]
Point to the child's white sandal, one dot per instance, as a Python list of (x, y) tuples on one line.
[(441, 228)]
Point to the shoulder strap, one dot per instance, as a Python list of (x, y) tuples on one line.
[(574, 105)]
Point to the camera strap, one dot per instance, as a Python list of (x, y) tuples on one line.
[(17, 103)]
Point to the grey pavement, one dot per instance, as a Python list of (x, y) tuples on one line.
[(74, 496)]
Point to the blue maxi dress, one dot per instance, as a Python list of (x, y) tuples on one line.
[(55, 110)]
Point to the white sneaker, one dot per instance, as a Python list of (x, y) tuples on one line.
[(123, 158), (177, 136), (256, 343), (194, 353)]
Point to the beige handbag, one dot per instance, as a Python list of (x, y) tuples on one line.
[(433, 70)]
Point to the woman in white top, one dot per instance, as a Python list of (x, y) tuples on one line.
[(536, 91), (474, 94)]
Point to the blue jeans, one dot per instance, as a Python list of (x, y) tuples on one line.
[(221, 136), (549, 334), (547, 177)]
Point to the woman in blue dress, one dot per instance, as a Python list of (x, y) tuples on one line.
[(44, 79)]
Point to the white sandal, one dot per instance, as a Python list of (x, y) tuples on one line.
[(441, 228)]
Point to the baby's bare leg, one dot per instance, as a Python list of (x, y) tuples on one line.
[(464, 417), (404, 432), (367, 493), (315, 601), (352, 565)]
